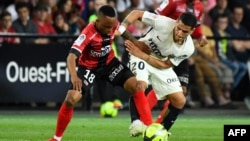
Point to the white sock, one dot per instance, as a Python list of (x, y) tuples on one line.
[(57, 138)]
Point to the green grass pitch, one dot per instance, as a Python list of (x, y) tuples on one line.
[(90, 127)]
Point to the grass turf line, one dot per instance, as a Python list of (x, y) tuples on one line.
[(32, 127)]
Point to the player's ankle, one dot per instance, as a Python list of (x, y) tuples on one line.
[(57, 138)]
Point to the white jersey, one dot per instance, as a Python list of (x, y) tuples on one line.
[(160, 39)]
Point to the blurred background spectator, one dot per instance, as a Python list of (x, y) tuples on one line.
[(6, 27), (225, 49), (72, 14), (60, 24), (23, 24), (12, 9), (51, 6), (39, 16), (206, 18), (219, 8), (209, 53), (236, 29)]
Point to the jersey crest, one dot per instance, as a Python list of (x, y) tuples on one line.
[(80, 39)]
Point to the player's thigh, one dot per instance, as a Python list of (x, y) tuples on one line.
[(140, 68), (120, 75), (164, 82), (88, 78)]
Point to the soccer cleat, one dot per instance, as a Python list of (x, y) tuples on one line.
[(136, 128)]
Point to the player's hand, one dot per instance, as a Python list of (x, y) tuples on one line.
[(133, 49), (77, 83), (142, 46), (202, 41)]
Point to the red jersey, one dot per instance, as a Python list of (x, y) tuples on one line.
[(46, 28), (95, 49), (174, 8), (7, 39)]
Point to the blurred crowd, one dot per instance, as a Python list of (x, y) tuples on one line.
[(220, 71)]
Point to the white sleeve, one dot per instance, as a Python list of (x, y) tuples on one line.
[(149, 18), (157, 21)]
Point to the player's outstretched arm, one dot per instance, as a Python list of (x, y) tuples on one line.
[(130, 18), (128, 36), (134, 50)]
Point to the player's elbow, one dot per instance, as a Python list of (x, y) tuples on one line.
[(162, 66), (166, 64), (71, 57), (137, 13)]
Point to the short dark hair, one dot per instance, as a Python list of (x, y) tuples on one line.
[(223, 15), (4, 14), (235, 7), (107, 11), (20, 5), (188, 19)]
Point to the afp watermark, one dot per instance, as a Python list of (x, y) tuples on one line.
[(238, 132)]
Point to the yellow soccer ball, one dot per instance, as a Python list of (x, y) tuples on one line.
[(108, 109), (155, 132)]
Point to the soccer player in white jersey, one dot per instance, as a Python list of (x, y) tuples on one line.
[(170, 43)]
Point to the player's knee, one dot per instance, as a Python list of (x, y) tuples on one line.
[(178, 102), (69, 103), (72, 98), (140, 85), (183, 102)]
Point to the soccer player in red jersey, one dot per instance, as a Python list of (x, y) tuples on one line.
[(92, 54)]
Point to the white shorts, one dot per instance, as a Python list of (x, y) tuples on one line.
[(163, 81)]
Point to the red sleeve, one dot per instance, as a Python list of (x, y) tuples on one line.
[(83, 39), (166, 8), (197, 32), (199, 8)]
